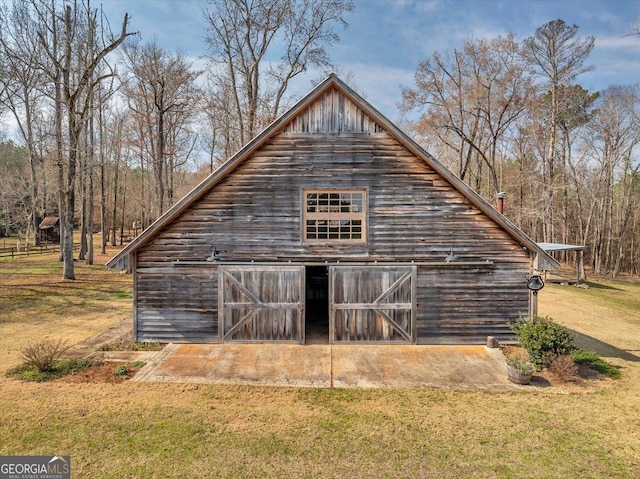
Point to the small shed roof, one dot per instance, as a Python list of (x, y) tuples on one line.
[(551, 247), (542, 259), (48, 222)]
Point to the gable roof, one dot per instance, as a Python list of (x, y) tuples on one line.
[(543, 260), (48, 222)]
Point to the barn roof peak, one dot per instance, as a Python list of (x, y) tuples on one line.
[(365, 119)]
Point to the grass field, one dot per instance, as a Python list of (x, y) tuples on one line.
[(148, 430)]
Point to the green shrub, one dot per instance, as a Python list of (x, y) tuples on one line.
[(29, 373), (592, 360), (72, 366), (543, 338), (121, 370)]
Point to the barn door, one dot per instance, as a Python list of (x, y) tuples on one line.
[(372, 303), (262, 303)]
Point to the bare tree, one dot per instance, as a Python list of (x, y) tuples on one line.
[(221, 133), (74, 65), (557, 56), (102, 156), (48, 21), (470, 99), (242, 35), (613, 137), (15, 189), (575, 110), (116, 150), (163, 94), (22, 87)]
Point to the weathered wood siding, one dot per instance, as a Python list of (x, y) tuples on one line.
[(468, 304), (254, 213), (333, 113), (176, 303)]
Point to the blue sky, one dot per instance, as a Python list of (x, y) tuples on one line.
[(386, 39)]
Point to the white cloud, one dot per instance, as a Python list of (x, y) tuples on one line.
[(631, 42), (420, 6), (380, 85)]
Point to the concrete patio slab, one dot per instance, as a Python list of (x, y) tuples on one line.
[(326, 366), (460, 367), (261, 364)]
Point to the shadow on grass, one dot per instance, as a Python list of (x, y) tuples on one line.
[(540, 382), (601, 348), (603, 287)]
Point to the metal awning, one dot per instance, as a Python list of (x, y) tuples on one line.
[(552, 247), (559, 247)]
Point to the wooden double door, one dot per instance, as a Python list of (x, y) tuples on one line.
[(266, 303)]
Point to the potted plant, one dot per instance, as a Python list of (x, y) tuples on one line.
[(519, 370)]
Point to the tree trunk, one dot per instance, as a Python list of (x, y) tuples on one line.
[(32, 168), (145, 205), (103, 193), (90, 160), (83, 204), (550, 186), (114, 217), (124, 201), (69, 196), (160, 154)]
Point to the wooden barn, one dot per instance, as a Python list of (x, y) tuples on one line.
[(333, 224), (49, 229)]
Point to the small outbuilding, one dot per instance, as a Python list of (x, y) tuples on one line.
[(49, 229), (332, 223)]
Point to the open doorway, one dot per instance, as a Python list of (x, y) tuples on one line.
[(317, 305)]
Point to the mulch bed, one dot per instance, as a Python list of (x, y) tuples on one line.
[(100, 373)]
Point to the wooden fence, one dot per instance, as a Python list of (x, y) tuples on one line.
[(14, 251)]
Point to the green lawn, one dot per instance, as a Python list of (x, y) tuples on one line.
[(189, 430)]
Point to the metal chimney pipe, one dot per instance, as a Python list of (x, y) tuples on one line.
[(500, 197)]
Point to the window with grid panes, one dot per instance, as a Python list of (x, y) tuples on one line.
[(332, 215)]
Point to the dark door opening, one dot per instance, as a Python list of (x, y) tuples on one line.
[(317, 304)]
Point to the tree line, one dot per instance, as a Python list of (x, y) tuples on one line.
[(511, 117), (112, 130)]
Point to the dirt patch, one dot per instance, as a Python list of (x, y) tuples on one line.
[(586, 380), (102, 372)]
